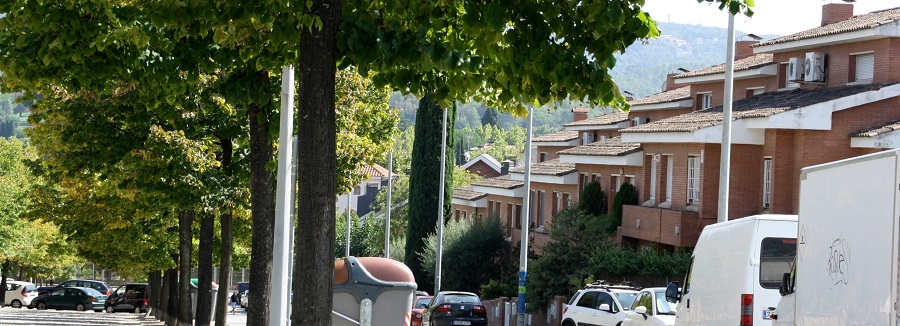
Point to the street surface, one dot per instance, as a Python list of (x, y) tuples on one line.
[(15, 317)]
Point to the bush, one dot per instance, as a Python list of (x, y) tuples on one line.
[(627, 195), (593, 199), (472, 254)]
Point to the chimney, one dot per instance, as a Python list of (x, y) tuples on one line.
[(670, 82), (579, 114), (742, 49), (504, 167), (835, 12)]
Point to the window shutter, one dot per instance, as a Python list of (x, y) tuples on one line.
[(865, 66)]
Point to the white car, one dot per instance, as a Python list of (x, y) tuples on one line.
[(19, 294), (598, 305), (244, 298), (650, 308)]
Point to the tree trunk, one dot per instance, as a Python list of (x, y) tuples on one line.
[(171, 302), (3, 274), (316, 163), (227, 246), (185, 222), (205, 270), (154, 281), (224, 270), (424, 185), (262, 201)]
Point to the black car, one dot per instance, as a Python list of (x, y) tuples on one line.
[(455, 308), (100, 286), (131, 297), (75, 298)]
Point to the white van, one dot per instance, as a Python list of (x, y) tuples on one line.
[(735, 272)]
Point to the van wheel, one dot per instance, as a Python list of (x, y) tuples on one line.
[(109, 309), (16, 304), (79, 307)]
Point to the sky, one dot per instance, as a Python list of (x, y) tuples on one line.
[(778, 17)]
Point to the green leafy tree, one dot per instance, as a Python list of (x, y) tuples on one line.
[(466, 242)]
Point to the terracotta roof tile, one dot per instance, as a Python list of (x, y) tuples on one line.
[(665, 97), (756, 61), (466, 193), (565, 135), (374, 171), (552, 167), (855, 23), (763, 105), (606, 119), (877, 130), (502, 182), (609, 147)]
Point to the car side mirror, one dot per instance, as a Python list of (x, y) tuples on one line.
[(604, 307), (786, 286), (641, 310), (672, 293)]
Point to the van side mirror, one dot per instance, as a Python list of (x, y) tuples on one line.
[(672, 293), (786, 286)]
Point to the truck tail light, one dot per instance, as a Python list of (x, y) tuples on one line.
[(746, 310)]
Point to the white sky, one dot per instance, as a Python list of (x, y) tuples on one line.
[(780, 17)]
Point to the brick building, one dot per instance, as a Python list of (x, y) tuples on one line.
[(812, 97)]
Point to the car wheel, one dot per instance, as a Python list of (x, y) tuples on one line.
[(16, 304), (79, 307), (109, 309), (137, 309), (42, 306)]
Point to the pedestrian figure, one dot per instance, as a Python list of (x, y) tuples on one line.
[(234, 301)]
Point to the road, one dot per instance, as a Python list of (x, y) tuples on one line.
[(17, 317)]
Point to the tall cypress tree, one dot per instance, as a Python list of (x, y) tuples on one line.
[(424, 183), (490, 117)]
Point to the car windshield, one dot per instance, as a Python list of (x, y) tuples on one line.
[(92, 292), (663, 306), (422, 301), (626, 298), (461, 298)]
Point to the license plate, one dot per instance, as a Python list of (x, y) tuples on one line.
[(767, 314), (461, 322)]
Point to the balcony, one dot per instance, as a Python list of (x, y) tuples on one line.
[(672, 227)]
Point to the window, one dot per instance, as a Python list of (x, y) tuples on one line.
[(588, 300), (670, 168), (540, 219), (557, 202), (693, 180), (686, 288), (596, 178), (510, 216), (543, 157), (519, 216), (767, 182), (456, 215), (703, 101), (565, 201), (663, 306), (464, 215), (775, 258), (653, 175), (584, 181), (603, 298), (643, 300), (862, 67), (490, 207)]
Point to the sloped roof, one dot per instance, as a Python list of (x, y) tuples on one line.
[(877, 130), (856, 23), (606, 119), (756, 61), (565, 135), (552, 167), (608, 147), (374, 171), (502, 182), (759, 106), (486, 158), (674, 95), (466, 193)]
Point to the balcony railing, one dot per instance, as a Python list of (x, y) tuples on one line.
[(672, 227)]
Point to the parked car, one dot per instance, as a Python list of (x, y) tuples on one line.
[(19, 294), (100, 286), (651, 308), (242, 288), (599, 304), (455, 308), (128, 297), (77, 298), (418, 308)]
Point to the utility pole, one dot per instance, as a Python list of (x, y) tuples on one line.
[(283, 203), (526, 217), (387, 218), (725, 168), (440, 219)]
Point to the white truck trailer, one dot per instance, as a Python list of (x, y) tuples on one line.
[(848, 248)]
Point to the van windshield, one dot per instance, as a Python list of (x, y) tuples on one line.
[(775, 258)]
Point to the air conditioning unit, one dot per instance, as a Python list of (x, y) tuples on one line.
[(815, 67), (795, 69), (638, 121)]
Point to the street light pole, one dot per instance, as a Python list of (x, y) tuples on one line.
[(283, 203), (440, 219), (725, 160), (526, 217), (387, 218)]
